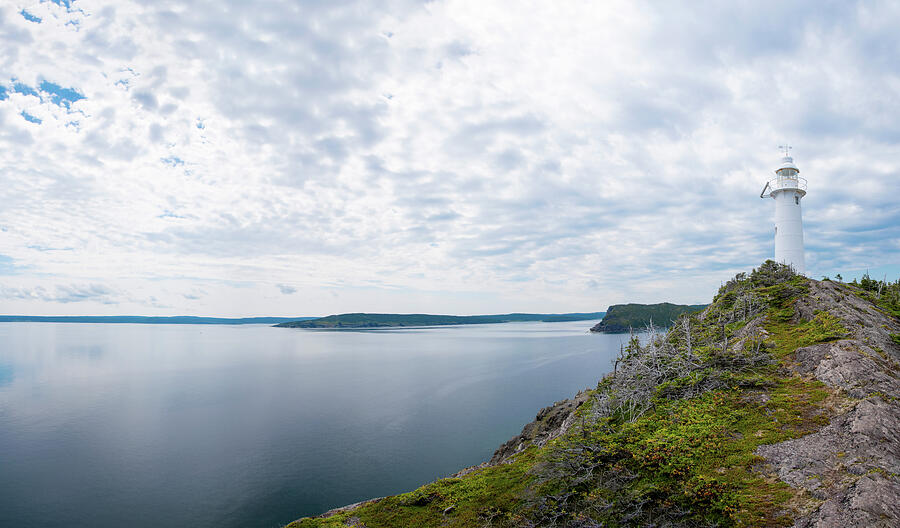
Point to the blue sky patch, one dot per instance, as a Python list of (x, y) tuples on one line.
[(63, 3), (24, 89), (6, 266), (61, 96), (3, 93), (30, 118), (29, 17), (46, 248), (172, 161), (169, 214)]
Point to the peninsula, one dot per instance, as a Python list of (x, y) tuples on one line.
[(621, 318), (380, 320)]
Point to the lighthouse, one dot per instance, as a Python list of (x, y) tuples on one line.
[(787, 189)]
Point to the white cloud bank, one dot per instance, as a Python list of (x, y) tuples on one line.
[(302, 158)]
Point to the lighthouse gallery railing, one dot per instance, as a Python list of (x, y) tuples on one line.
[(782, 183)]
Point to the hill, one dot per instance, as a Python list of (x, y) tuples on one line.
[(621, 318), (777, 405), (374, 320)]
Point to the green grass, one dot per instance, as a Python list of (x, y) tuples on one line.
[(489, 493), (885, 295), (823, 327), (698, 455), (895, 338)]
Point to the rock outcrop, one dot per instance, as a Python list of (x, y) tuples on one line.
[(550, 422), (851, 467)]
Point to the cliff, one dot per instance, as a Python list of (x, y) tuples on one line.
[(622, 318), (777, 405)]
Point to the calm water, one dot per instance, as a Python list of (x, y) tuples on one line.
[(168, 425)]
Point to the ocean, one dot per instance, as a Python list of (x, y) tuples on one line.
[(111, 425)]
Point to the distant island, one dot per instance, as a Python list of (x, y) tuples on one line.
[(379, 320), (625, 317), (140, 319)]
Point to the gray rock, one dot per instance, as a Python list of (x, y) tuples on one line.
[(851, 465), (549, 423)]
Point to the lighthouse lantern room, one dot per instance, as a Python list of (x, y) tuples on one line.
[(787, 189)]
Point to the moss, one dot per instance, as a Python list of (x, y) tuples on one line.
[(885, 295), (493, 492), (895, 338), (823, 327), (883, 396), (698, 455)]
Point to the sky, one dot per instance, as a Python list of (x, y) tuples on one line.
[(300, 158)]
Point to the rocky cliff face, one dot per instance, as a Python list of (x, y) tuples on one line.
[(550, 423), (851, 467)]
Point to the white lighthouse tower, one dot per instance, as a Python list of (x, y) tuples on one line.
[(787, 189)]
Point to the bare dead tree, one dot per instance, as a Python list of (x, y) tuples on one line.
[(686, 328)]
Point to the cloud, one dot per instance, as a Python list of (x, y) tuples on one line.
[(62, 293), (546, 159)]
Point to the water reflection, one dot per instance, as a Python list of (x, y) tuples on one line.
[(6, 374)]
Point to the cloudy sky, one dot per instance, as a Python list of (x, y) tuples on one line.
[(229, 158)]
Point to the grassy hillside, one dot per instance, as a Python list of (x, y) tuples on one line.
[(670, 438), (627, 317), (370, 320)]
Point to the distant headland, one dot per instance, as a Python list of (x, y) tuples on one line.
[(380, 320), (622, 318)]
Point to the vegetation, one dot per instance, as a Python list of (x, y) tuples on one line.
[(482, 497), (367, 320), (886, 295), (622, 318), (668, 439)]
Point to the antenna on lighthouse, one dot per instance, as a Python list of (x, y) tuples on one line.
[(786, 149)]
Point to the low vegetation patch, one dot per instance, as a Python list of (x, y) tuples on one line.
[(885, 294), (486, 496), (822, 328), (895, 338)]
